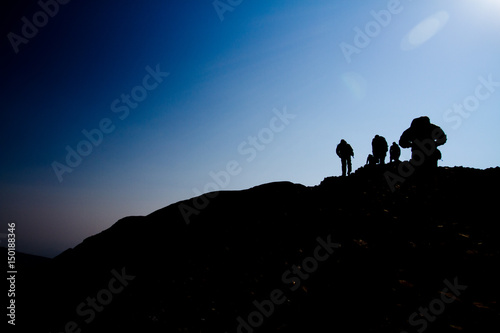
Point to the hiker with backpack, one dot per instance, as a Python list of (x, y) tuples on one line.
[(344, 151), (379, 149), (423, 138)]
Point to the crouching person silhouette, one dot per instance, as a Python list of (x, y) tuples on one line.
[(423, 138), (370, 160), (394, 152), (344, 151)]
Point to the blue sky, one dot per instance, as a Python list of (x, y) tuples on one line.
[(269, 85)]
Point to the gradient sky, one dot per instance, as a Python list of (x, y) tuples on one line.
[(230, 70)]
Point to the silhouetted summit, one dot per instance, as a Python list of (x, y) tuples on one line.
[(282, 257)]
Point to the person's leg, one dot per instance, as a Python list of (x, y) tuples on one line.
[(343, 166)]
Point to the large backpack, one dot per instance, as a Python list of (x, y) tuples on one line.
[(349, 150)]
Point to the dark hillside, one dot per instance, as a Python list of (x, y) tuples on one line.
[(346, 254)]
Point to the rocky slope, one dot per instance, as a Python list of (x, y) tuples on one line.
[(348, 254)]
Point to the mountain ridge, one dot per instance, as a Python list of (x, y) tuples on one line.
[(207, 275)]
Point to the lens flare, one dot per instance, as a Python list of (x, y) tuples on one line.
[(356, 84), (424, 31)]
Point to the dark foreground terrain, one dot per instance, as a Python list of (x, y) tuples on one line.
[(348, 255)]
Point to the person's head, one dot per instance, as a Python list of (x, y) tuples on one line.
[(420, 122), (343, 141)]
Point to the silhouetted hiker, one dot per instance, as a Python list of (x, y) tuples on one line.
[(370, 160), (379, 149), (344, 151), (423, 138), (394, 152)]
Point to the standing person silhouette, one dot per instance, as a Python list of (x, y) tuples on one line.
[(344, 151), (379, 149)]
